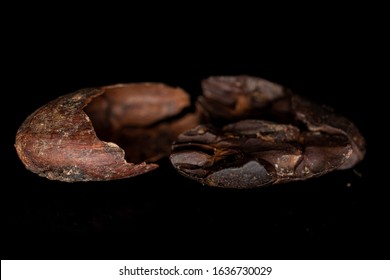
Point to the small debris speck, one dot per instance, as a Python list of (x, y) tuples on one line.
[(357, 173)]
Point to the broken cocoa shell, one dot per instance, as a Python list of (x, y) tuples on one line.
[(75, 137)]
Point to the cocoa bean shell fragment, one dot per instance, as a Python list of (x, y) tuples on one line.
[(59, 141)]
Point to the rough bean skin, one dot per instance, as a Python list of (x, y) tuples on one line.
[(107, 133)]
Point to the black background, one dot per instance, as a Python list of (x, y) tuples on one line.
[(342, 215)]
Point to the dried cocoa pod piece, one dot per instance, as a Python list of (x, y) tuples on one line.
[(76, 137), (303, 140)]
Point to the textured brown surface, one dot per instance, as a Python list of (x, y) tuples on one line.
[(256, 133), (254, 153), (303, 140), (59, 142)]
